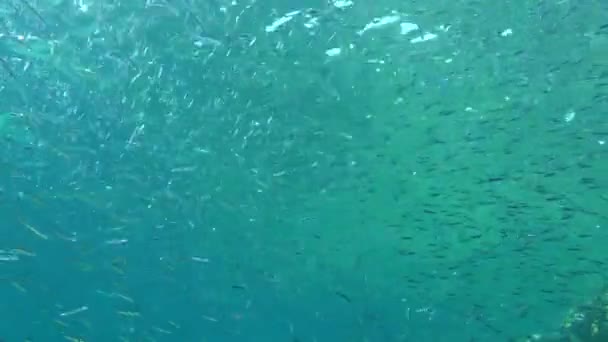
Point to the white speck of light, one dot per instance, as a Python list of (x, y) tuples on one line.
[(379, 22), (333, 52), (424, 38), (343, 3), (82, 7), (206, 41), (281, 21), (506, 33), (408, 27), (569, 116), (312, 22), (199, 259), (601, 142)]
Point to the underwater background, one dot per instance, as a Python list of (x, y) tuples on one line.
[(303, 171)]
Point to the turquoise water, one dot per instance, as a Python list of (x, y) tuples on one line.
[(300, 171)]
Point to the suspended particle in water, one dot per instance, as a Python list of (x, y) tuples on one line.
[(569, 116)]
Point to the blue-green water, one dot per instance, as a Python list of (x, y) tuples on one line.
[(308, 171)]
